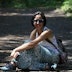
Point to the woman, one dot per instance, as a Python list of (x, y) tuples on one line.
[(47, 55)]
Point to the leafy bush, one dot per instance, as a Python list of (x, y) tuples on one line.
[(67, 6), (29, 3)]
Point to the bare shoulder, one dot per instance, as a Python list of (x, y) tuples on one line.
[(33, 31), (33, 34), (47, 33)]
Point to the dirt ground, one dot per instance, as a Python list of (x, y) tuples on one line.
[(9, 42), (14, 22)]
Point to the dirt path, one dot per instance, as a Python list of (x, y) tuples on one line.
[(13, 25)]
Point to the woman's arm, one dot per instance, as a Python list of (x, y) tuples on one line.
[(31, 44)]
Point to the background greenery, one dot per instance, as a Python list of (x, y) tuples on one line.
[(65, 5)]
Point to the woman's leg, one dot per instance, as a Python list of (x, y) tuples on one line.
[(35, 58), (30, 59)]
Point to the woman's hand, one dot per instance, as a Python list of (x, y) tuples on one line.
[(12, 53)]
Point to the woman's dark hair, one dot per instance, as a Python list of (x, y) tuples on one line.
[(42, 15)]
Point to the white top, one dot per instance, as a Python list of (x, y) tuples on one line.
[(48, 45)]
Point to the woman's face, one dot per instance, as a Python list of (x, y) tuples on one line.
[(38, 22)]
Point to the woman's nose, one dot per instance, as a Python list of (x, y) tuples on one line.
[(37, 22)]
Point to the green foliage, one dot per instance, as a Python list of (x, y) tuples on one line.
[(44, 3), (29, 3), (4, 3), (67, 6), (18, 4)]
